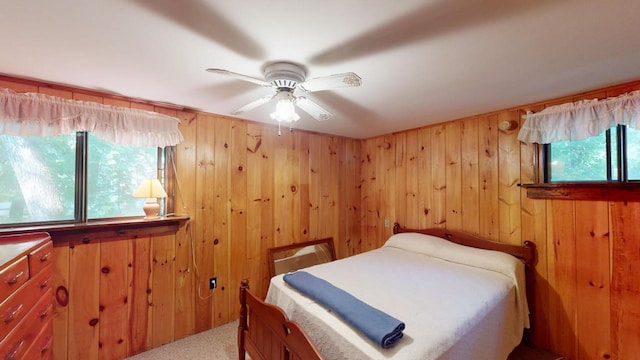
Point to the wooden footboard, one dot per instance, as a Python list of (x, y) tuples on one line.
[(265, 332)]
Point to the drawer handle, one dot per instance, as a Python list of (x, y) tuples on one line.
[(11, 314), (46, 346), (44, 284), (45, 257), (44, 313), (15, 278), (12, 355)]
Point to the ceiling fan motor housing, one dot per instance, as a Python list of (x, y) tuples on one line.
[(284, 74)]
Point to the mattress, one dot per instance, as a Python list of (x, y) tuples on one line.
[(456, 302)]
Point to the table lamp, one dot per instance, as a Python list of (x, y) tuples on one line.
[(151, 189)]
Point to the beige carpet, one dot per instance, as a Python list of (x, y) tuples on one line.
[(219, 343)]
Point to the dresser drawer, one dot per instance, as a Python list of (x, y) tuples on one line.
[(19, 340), (21, 301), (40, 257), (13, 276), (41, 349)]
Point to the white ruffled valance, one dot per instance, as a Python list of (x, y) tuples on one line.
[(582, 119), (33, 114)]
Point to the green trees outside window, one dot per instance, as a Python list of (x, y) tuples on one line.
[(40, 178), (611, 156)]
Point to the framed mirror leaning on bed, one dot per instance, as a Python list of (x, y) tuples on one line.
[(288, 258)]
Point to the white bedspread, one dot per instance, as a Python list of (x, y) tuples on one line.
[(451, 310)]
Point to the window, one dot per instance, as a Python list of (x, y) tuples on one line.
[(71, 178), (612, 156)]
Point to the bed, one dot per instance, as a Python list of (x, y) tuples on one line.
[(458, 297)]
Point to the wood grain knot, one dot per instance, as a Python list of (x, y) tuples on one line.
[(105, 270), (62, 295), (93, 322), (216, 241), (293, 188)]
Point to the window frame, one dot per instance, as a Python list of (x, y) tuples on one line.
[(621, 189), (621, 158), (80, 213)]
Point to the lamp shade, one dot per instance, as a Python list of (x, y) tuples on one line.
[(150, 188)]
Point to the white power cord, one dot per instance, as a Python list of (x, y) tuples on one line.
[(189, 231)]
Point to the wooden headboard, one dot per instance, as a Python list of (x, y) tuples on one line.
[(527, 252)]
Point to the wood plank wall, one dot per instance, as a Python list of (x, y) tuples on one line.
[(245, 189), (464, 175)]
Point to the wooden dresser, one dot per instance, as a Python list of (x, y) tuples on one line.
[(26, 296)]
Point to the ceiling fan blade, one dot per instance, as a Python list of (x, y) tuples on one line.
[(313, 109), (330, 82), (240, 76), (201, 17), (252, 105)]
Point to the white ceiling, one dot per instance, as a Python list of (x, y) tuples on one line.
[(421, 61)]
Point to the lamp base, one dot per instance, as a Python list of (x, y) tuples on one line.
[(151, 209)]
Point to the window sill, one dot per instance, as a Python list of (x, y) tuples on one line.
[(93, 231), (584, 191)]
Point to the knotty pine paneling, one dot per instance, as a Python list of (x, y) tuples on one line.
[(162, 289), (593, 286), (139, 280), (453, 175), (351, 187), (238, 210), (625, 292), (424, 205), (257, 189), (84, 301), (488, 218), (439, 178), (584, 294), (184, 201), (248, 188), (113, 292), (469, 193), (244, 188), (61, 252), (400, 201), (508, 180)]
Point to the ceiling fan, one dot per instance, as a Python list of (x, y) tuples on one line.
[(285, 78)]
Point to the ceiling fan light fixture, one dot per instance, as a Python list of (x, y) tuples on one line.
[(285, 78), (285, 108)]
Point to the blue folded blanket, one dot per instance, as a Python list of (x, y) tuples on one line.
[(378, 326)]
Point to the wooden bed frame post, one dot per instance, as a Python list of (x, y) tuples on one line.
[(242, 322), (265, 332)]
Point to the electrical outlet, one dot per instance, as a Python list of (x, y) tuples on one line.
[(387, 223), (213, 283)]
